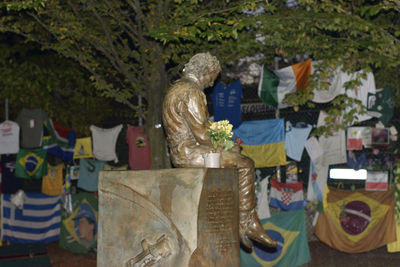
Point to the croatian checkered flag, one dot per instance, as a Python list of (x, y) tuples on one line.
[(286, 196)]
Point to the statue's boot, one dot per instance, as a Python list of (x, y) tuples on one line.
[(250, 228)]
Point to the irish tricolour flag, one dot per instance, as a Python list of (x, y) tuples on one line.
[(274, 85)]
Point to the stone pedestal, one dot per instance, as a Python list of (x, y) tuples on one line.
[(172, 217)]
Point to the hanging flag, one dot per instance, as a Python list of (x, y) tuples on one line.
[(289, 230), (274, 85), (58, 140), (31, 163), (263, 141), (355, 138), (396, 185), (395, 246), (37, 221), (316, 185), (83, 148), (357, 221), (287, 196), (79, 227), (376, 181)]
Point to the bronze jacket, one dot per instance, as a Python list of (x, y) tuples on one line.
[(185, 119)]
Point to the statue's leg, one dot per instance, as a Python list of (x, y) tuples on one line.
[(250, 227)]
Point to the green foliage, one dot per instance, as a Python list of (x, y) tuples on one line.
[(32, 78), (132, 48)]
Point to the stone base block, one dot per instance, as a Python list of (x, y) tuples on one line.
[(171, 217)]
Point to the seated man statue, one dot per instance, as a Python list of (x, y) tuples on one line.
[(185, 118)]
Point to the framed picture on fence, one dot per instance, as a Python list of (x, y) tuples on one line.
[(380, 136)]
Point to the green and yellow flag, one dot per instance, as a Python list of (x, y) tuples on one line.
[(289, 230), (357, 221), (31, 163)]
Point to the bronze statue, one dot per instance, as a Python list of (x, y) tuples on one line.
[(185, 118)]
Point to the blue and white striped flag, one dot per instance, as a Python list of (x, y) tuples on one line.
[(38, 220)]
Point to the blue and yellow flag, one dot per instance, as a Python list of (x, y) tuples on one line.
[(263, 142), (31, 163), (289, 230)]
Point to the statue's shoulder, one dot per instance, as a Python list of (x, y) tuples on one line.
[(184, 86)]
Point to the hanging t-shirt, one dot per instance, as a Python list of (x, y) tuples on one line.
[(262, 200), (226, 102), (9, 183), (89, 174), (381, 104), (139, 148), (31, 163), (104, 142), (9, 137), (295, 139), (83, 148), (334, 148), (121, 149), (360, 92), (52, 183), (31, 123)]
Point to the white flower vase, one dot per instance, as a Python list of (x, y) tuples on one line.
[(212, 160)]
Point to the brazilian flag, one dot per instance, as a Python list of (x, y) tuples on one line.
[(357, 221), (31, 163), (289, 230)]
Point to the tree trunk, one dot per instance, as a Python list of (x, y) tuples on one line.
[(158, 84)]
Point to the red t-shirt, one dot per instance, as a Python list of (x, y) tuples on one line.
[(139, 148)]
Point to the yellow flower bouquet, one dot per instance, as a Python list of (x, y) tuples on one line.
[(221, 135)]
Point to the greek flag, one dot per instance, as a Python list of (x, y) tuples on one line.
[(37, 221)]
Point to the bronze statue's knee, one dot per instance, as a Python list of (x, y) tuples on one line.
[(245, 162)]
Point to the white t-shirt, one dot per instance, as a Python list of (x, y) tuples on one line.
[(9, 137), (104, 142)]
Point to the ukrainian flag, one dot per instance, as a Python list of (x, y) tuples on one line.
[(263, 142)]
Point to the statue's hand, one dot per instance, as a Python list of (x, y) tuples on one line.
[(236, 148)]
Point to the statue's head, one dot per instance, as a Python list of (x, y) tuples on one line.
[(204, 67)]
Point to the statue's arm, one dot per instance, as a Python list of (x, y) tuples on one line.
[(197, 116)]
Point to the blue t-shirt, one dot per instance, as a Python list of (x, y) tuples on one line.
[(89, 173), (226, 102), (295, 139)]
